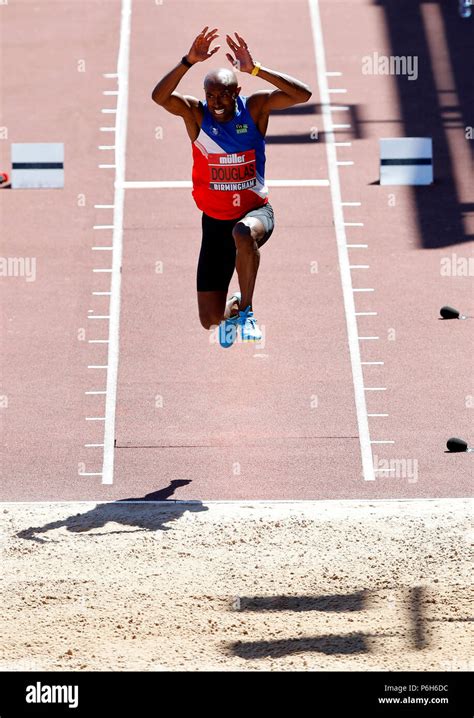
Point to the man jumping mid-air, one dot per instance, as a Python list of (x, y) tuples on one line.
[(227, 132)]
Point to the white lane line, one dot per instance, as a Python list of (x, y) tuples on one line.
[(337, 91), (104, 206), (368, 338), (106, 167), (105, 147), (387, 441), (98, 341), (363, 289), (372, 363), (117, 241), (298, 183), (343, 144), (339, 127), (187, 184), (357, 246), (107, 129), (344, 162), (351, 204), (95, 418), (110, 92), (103, 226), (94, 392), (359, 266), (109, 74), (333, 74), (102, 249), (109, 112), (353, 224), (339, 108), (377, 414), (102, 270), (91, 473), (343, 255), (366, 314), (99, 316), (101, 294), (97, 366), (375, 388), (88, 446)]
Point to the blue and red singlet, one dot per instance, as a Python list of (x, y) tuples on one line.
[(229, 165)]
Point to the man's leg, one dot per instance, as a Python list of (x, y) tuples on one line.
[(249, 234), (215, 268), (211, 308)]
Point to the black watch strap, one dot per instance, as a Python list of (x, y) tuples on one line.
[(186, 62)]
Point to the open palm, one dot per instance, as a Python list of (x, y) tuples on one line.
[(243, 59), (200, 48)]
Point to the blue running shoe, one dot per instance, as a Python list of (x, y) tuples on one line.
[(249, 327), (228, 327), (228, 331), (465, 8)]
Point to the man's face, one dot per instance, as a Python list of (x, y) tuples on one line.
[(221, 100)]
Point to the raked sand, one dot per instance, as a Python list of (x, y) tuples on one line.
[(327, 585)]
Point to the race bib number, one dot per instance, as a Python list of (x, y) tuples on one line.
[(232, 172)]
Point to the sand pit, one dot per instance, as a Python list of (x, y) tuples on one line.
[(330, 585)]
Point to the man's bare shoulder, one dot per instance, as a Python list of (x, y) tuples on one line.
[(196, 105), (256, 100), (256, 104), (193, 101)]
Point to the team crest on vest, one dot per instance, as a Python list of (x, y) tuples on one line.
[(240, 129), (214, 130)]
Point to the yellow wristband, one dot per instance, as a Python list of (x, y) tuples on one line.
[(256, 68)]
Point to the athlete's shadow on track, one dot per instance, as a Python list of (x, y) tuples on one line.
[(128, 512)]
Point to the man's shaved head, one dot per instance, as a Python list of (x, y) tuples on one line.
[(223, 76)]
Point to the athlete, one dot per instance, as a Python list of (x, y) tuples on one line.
[(227, 133)]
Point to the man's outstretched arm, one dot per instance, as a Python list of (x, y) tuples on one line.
[(290, 90), (164, 93)]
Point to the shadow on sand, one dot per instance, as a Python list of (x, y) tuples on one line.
[(139, 512)]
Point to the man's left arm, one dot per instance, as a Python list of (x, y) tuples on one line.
[(290, 91)]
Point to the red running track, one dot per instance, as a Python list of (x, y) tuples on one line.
[(276, 422)]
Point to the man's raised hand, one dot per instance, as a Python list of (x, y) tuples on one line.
[(200, 48), (243, 60)]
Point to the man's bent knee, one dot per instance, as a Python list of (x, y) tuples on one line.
[(247, 235), (209, 320)]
